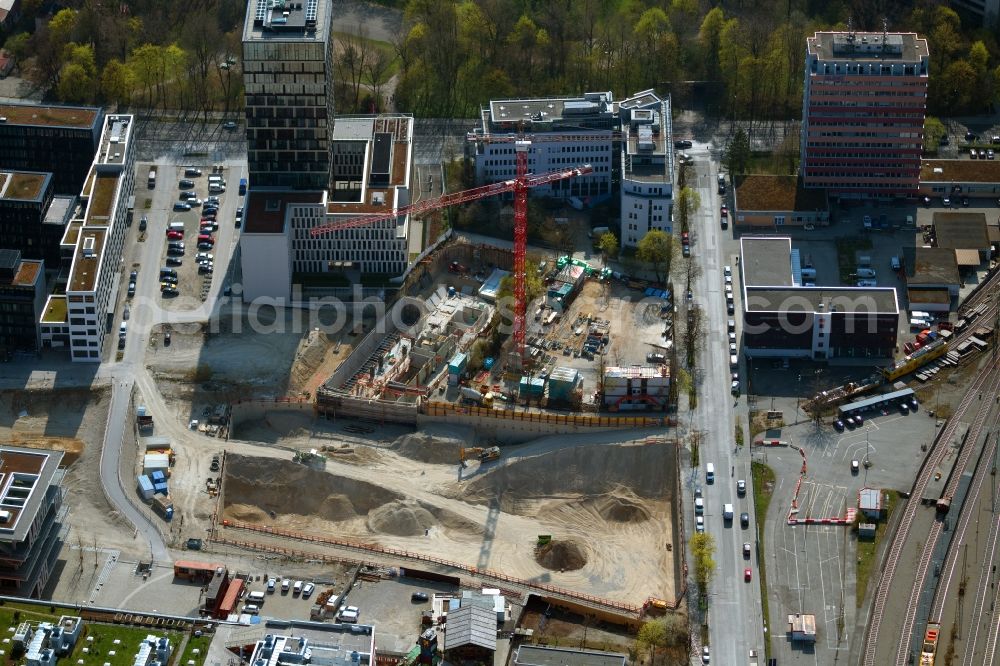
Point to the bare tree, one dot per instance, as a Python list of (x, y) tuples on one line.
[(375, 70)]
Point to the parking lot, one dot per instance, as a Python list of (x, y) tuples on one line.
[(813, 568), (191, 234), (389, 605)]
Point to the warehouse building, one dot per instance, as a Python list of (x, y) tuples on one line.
[(932, 278), (30, 502), (975, 179), (784, 320), (778, 201)]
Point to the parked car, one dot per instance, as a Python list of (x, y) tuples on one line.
[(192, 172), (855, 467), (419, 596), (229, 125), (271, 585), (174, 235), (185, 184), (181, 206), (699, 523), (307, 590), (174, 261), (682, 143), (194, 544), (142, 223)]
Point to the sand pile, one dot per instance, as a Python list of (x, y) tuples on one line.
[(614, 476), (435, 444), (401, 519), (566, 555), (256, 487)]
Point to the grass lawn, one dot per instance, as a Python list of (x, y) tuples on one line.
[(199, 643), (763, 487), (774, 164), (385, 47), (104, 635), (867, 550)]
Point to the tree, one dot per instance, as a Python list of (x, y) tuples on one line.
[(703, 550), (19, 48), (688, 201), (708, 38), (737, 154), (608, 244), (116, 82), (375, 73), (933, 131), (533, 286), (658, 248), (76, 78), (662, 633)]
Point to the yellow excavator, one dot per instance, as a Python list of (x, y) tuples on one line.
[(483, 454)]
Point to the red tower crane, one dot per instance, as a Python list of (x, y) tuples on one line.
[(519, 185)]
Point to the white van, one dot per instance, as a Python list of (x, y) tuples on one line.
[(699, 506), (251, 609), (710, 473), (919, 314), (176, 226), (918, 324), (286, 585), (255, 598), (297, 588), (727, 512)]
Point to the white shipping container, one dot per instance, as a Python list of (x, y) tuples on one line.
[(155, 461)]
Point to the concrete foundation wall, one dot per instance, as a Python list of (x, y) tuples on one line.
[(251, 410), (513, 430)]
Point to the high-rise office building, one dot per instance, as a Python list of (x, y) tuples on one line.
[(288, 82), (863, 110)]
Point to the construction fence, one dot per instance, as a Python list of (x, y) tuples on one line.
[(590, 601)]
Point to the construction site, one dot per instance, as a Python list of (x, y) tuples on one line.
[(531, 512)]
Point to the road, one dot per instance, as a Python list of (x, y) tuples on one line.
[(145, 314), (734, 615)]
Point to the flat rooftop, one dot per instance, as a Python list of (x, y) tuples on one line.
[(27, 273), (548, 110), (960, 171), (281, 20), (102, 199), (388, 152), (766, 262), (23, 185), (533, 655), (25, 475), (330, 644), (115, 139), (87, 259), (931, 266), (822, 299), (961, 231), (59, 210), (265, 211), (777, 193), (50, 116), (56, 310), (904, 47)]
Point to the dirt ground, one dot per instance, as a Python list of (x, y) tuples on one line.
[(72, 421), (414, 496), (289, 359)]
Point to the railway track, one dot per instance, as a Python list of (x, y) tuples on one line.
[(909, 512), (993, 636), (979, 607), (930, 545)]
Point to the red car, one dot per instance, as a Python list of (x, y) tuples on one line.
[(175, 235), (747, 575), (725, 211)]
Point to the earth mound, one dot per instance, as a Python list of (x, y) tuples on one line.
[(617, 509)]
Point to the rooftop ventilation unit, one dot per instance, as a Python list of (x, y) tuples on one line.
[(88, 247), (4, 517)]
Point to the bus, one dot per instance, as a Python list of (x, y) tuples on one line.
[(152, 178)]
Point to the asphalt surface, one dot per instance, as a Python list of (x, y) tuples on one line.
[(734, 611), (145, 313)]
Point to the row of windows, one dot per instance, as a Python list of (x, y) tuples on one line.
[(384, 267), (509, 173), (81, 353), (826, 180), (839, 147), (80, 342)]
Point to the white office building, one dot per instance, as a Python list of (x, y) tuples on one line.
[(565, 132), (94, 238), (647, 155), (371, 172)]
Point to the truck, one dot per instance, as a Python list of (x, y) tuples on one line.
[(727, 512), (143, 420), (243, 186), (164, 507), (152, 179), (471, 395)]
